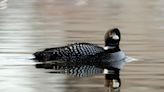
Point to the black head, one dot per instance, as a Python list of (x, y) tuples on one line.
[(112, 37)]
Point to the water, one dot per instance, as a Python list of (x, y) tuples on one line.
[(29, 25)]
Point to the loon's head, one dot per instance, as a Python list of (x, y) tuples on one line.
[(112, 38)]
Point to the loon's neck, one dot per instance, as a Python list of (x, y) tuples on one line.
[(112, 49)]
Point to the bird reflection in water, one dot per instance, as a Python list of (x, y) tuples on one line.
[(72, 70), (112, 79)]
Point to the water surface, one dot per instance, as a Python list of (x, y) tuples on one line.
[(29, 25)]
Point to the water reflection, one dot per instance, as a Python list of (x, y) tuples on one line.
[(3, 4), (81, 2), (73, 70), (112, 80)]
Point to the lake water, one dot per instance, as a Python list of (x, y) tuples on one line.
[(29, 25)]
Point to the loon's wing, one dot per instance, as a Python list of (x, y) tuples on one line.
[(68, 52)]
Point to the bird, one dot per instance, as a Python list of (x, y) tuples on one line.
[(77, 51)]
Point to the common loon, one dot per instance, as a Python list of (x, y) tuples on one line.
[(88, 53)]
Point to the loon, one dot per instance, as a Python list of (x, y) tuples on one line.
[(77, 50)]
